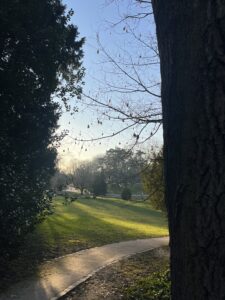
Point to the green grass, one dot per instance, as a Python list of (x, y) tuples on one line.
[(93, 222), (87, 223), (156, 286)]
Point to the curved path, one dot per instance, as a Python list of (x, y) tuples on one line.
[(61, 275)]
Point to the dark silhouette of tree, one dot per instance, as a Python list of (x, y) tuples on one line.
[(81, 176), (40, 59), (153, 180), (122, 168), (99, 186), (191, 38), (126, 194)]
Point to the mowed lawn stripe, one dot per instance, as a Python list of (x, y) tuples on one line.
[(94, 222), (83, 224)]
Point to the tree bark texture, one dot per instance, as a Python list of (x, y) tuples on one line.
[(191, 38)]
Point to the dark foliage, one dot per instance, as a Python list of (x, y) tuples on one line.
[(153, 287), (81, 177), (40, 56), (99, 186), (122, 167), (153, 181), (126, 194)]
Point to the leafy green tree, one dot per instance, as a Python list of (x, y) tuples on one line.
[(122, 167), (40, 63), (153, 181), (99, 186)]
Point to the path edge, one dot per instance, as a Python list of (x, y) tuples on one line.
[(76, 284)]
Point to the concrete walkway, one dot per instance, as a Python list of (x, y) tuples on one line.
[(63, 274)]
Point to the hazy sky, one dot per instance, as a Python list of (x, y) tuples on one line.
[(93, 17)]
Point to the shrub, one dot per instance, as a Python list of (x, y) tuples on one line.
[(126, 194), (153, 287)]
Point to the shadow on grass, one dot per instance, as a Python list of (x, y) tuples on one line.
[(26, 263), (135, 213), (89, 228), (81, 225), (129, 205)]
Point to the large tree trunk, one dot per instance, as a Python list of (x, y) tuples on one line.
[(191, 38)]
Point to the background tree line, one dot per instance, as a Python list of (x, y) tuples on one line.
[(115, 171)]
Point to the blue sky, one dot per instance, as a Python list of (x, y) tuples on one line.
[(93, 17)]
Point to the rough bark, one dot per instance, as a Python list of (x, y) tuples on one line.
[(191, 37)]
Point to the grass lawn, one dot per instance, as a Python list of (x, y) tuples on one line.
[(86, 223)]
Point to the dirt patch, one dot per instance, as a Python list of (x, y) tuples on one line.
[(111, 282)]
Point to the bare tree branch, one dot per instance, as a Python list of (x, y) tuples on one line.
[(127, 93)]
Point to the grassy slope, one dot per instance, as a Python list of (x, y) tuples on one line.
[(83, 224), (93, 222)]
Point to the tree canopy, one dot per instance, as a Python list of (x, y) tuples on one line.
[(40, 65), (99, 186), (122, 167)]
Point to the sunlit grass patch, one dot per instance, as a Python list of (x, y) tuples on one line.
[(83, 224), (93, 222)]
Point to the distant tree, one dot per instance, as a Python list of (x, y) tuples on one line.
[(153, 181), (40, 59), (122, 167), (58, 181), (81, 177), (99, 186)]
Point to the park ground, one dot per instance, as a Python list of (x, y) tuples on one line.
[(83, 224), (132, 278)]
